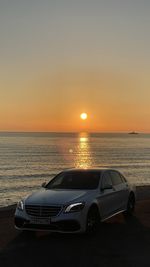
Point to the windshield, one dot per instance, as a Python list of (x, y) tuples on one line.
[(75, 180)]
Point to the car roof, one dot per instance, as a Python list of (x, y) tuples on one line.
[(87, 169)]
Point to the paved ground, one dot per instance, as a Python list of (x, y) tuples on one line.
[(118, 243)]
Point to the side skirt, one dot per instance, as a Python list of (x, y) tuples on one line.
[(112, 215)]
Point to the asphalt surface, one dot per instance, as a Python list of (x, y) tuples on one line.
[(119, 242)]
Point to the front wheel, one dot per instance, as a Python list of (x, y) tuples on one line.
[(93, 220), (130, 205)]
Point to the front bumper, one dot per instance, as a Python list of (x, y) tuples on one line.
[(59, 226), (74, 222)]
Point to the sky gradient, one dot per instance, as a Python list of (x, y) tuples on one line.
[(61, 58)]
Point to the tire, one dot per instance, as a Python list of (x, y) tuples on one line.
[(130, 205), (93, 220)]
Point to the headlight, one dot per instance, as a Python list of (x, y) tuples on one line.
[(74, 207), (20, 205)]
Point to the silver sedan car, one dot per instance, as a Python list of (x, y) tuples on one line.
[(76, 200)]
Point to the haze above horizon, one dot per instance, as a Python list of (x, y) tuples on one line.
[(63, 58)]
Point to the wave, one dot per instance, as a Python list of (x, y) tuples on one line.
[(28, 176)]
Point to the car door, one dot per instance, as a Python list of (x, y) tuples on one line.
[(120, 190), (106, 199)]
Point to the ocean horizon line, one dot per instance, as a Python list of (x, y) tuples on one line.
[(76, 132)]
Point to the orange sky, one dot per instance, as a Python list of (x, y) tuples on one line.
[(113, 103), (58, 61)]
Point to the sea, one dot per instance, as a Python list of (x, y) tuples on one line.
[(29, 159)]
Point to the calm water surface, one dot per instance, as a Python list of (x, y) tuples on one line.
[(28, 159)]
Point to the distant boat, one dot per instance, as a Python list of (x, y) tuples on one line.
[(133, 133)]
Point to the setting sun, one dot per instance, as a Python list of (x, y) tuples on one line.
[(83, 116)]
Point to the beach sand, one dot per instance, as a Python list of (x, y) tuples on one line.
[(119, 242)]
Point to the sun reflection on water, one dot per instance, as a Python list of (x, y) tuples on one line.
[(83, 139), (83, 156)]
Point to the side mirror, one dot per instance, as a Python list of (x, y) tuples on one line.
[(106, 186), (44, 184)]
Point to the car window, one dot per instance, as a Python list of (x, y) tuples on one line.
[(106, 180), (57, 181), (75, 180), (116, 178)]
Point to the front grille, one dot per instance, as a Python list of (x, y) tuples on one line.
[(42, 211)]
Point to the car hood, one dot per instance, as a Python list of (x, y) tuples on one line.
[(48, 197)]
